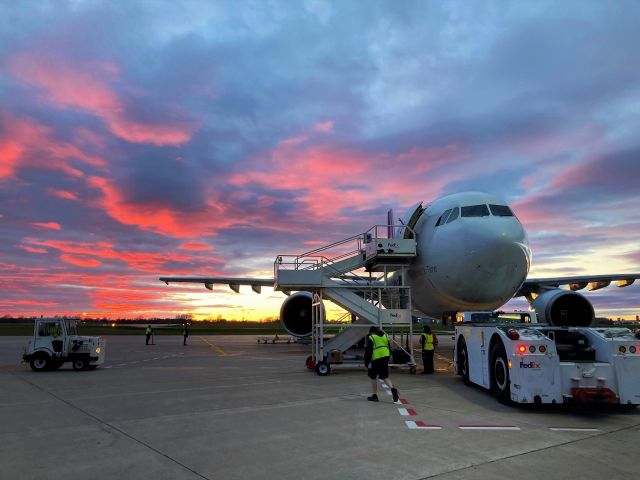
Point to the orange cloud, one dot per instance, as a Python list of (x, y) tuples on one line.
[(49, 225), (80, 261), (195, 246), (160, 218), (88, 90), (79, 251)]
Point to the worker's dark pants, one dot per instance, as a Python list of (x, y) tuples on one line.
[(427, 360), (148, 338), (185, 340)]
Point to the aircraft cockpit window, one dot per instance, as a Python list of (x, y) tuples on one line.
[(475, 211), (454, 214), (443, 218), (501, 211)]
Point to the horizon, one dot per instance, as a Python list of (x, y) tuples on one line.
[(141, 140)]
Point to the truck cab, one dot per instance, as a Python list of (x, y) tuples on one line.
[(56, 341)]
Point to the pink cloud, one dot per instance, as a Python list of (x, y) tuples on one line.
[(88, 90), (63, 194), (33, 249), (48, 225), (27, 143), (80, 261), (326, 179)]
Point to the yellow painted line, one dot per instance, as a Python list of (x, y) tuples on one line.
[(214, 347)]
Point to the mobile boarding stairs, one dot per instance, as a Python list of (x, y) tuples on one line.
[(342, 273)]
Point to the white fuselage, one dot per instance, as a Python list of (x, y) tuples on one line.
[(470, 263)]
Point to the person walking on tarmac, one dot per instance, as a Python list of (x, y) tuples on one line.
[(428, 342), (376, 358), (148, 332), (185, 333)]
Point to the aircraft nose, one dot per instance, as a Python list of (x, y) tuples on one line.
[(498, 260), (500, 263)]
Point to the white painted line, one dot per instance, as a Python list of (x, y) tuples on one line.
[(110, 366), (145, 360), (407, 412), (573, 429), (122, 365), (421, 426), (488, 427), (388, 392)]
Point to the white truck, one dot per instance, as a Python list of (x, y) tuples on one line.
[(523, 361), (56, 341)]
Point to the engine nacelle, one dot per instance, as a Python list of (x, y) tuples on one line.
[(563, 309), (295, 314)]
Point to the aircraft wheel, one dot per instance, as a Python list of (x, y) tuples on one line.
[(323, 369), (40, 362), (80, 364), (463, 362), (500, 382)]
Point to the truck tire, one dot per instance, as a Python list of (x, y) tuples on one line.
[(500, 381), (80, 364), (463, 362), (40, 362)]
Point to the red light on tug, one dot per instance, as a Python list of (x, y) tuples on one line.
[(522, 348)]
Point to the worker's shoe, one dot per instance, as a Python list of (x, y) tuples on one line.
[(373, 398), (394, 393)]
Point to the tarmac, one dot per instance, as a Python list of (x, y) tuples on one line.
[(228, 407)]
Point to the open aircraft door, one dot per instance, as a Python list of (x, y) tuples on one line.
[(409, 220)]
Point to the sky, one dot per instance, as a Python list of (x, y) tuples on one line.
[(144, 138)]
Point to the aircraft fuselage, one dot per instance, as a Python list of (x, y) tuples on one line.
[(476, 261)]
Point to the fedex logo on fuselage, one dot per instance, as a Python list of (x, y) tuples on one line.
[(529, 365)]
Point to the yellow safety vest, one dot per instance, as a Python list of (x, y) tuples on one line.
[(380, 346), (428, 341), (147, 331)]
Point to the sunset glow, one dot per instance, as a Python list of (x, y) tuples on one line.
[(160, 146)]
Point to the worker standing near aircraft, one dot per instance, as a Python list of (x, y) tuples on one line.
[(376, 358), (148, 332), (185, 333), (428, 342)]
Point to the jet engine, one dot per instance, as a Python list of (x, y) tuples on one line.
[(563, 309), (295, 314)]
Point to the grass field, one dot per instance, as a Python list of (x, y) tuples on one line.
[(223, 329)]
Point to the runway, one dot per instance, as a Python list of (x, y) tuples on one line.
[(228, 407)]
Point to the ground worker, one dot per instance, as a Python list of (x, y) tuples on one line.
[(376, 358), (185, 333), (428, 342), (54, 330), (148, 332)]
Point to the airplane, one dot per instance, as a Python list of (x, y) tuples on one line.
[(472, 254)]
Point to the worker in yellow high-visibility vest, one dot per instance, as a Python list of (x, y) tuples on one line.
[(428, 342), (376, 358)]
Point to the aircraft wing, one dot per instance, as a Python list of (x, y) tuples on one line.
[(593, 282), (233, 282)]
